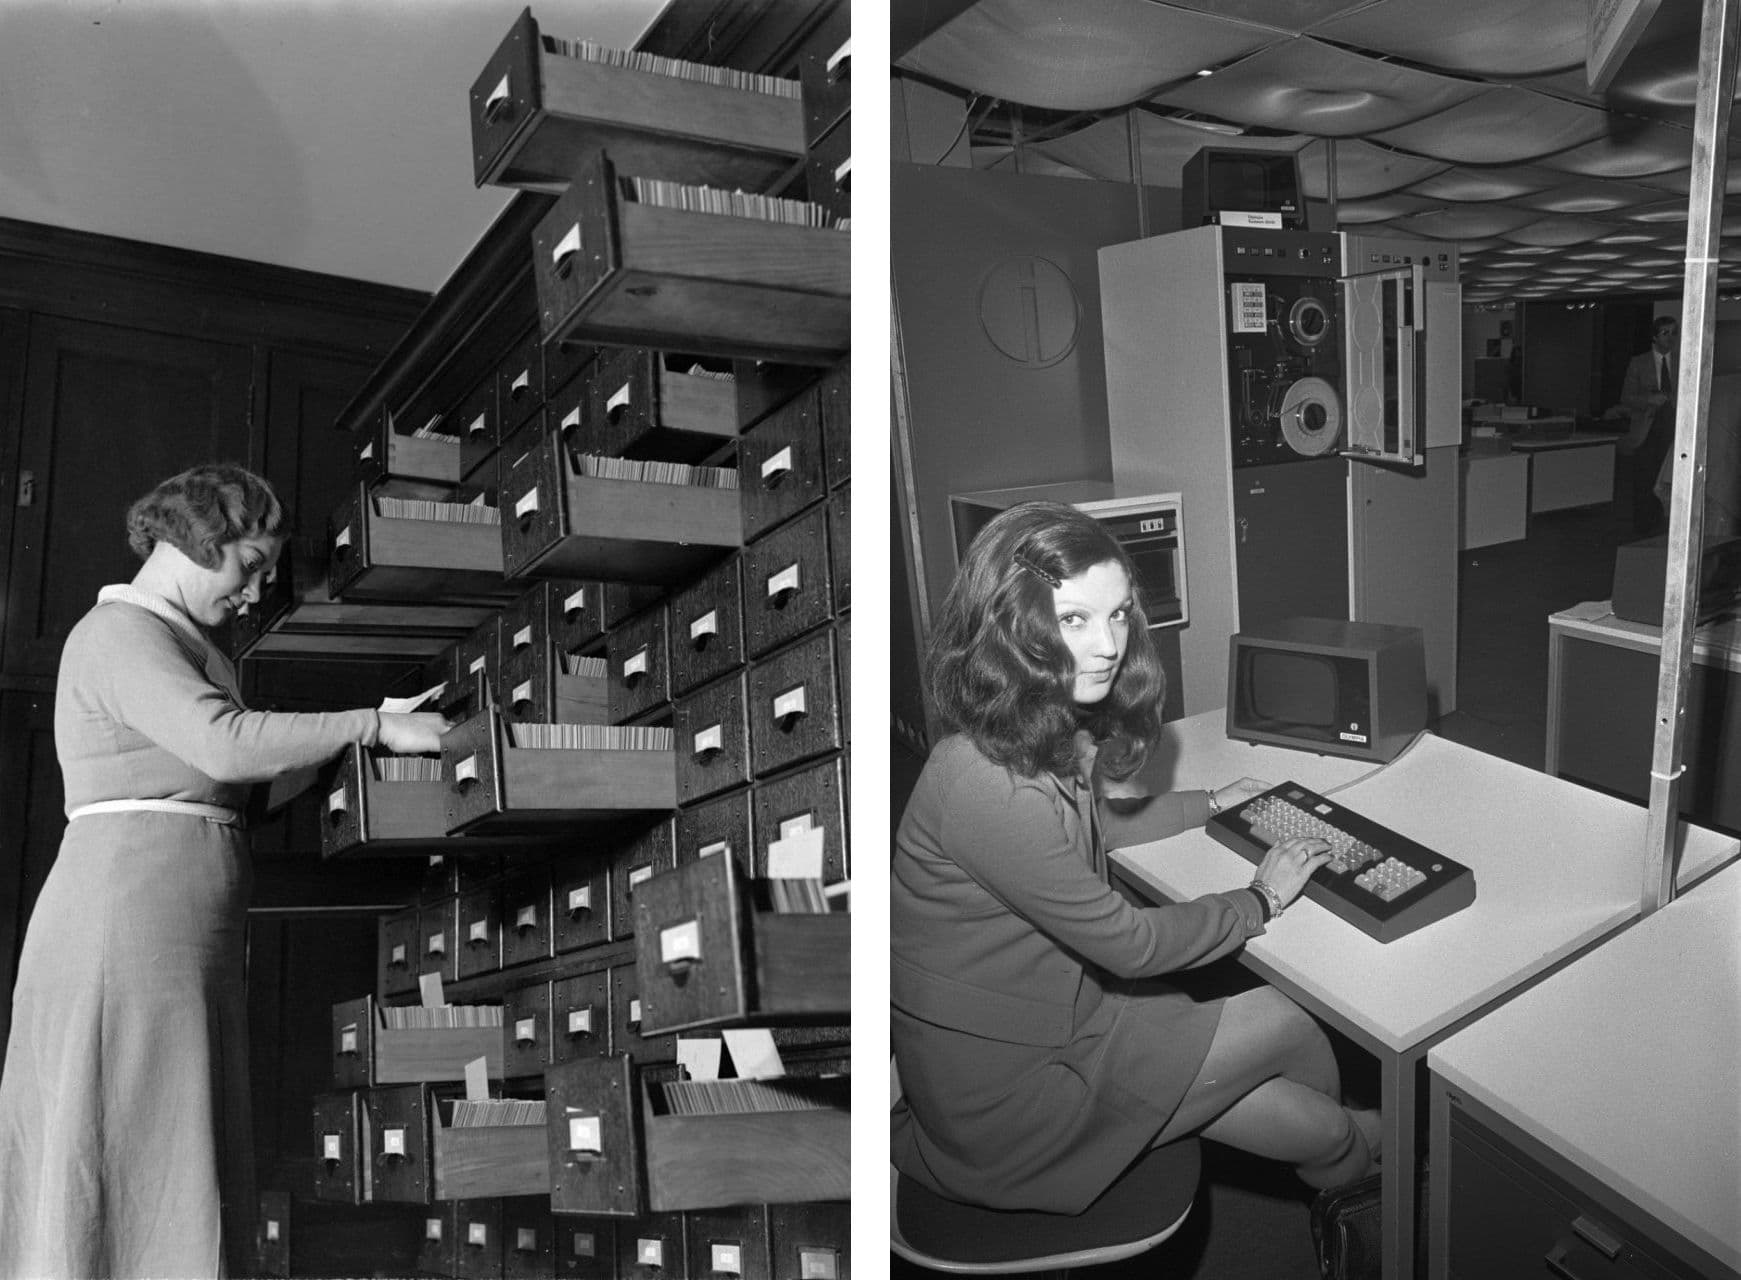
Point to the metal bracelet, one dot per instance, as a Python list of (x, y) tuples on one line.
[(1270, 896)]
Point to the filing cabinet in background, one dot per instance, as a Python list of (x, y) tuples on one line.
[(336, 1137), (720, 826), (526, 920), (639, 855), (705, 628), (729, 1242), (780, 467), (477, 664), (639, 678), (840, 546), (396, 965), (396, 1120), (435, 1250), (787, 588), (272, 1234), (712, 739), (529, 1236), (811, 1241), (368, 1050), (643, 403), (581, 899), (586, 1247), (480, 931), (474, 420), (527, 1046), (650, 1246), (807, 797), (595, 1146), (794, 699), (580, 1016)]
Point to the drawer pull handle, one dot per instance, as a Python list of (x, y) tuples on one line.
[(585, 1136), (839, 63), (393, 1144), (575, 604), (332, 1148), (522, 638), (580, 1021), (478, 934), (348, 1041), (650, 1252), (704, 628), (477, 1234), (335, 805), (522, 695), (680, 947), (438, 944), (1598, 1237), (368, 453), (635, 667), (273, 1231), (497, 105), (523, 380), (570, 421), (526, 504), (640, 874), (526, 1031), (342, 542), (563, 255), (635, 1014), (477, 425), (709, 741), (432, 1228), (466, 771), (397, 959), (789, 706), (818, 1264), (580, 900), (619, 401), (525, 1240), (782, 586), (777, 468), (526, 919)]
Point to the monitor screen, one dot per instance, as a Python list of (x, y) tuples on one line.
[(1291, 688)]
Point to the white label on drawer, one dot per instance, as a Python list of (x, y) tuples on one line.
[(586, 1133), (789, 703), (580, 899), (368, 452), (437, 943), (526, 1031), (479, 663), (521, 382), (618, 400), (571, 418), (584, 1245), (522, 693), (636, 665), (393, 1142), (344, 537), (710, 850), (466, 770), (818, 1264), (580, 1021), (727, 1257), (792, 826), (570, 243), (497, 95), (709, 739), (778, 465), (706, 625), (348, 1039), (332, 1147), (432, 1228), (650, 1253), (639, 874), (788, 579), (521, 638), (397, 955), (477, 1233), (635, 1012), (476, 425), (526, 917), (526, 1239), (839, 56), (842, 171), (680, 942), (576, 602), (335, 803), (272, 1231), (527, 502), (479, 931)]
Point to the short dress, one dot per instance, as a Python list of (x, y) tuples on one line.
[(1039, 1052), (125, 1123)]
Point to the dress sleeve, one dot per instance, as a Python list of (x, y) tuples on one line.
[(149, 681), (1013, 842)]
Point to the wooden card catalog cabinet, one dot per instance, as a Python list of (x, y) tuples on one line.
[(336, 1135), (618, 263), (367, 1051), (559, 522), (708, 956), (651, 1246), (398, 1147), (593, 1126), (490, 1159), (713, 739), (539, 101), (272, 1233), (729, 1243), (494, 787), (705, 631), (787, 587), (526, 1020), (477, 1239), (379, 551), (638, 678), (586, 1247), (529, 1235), (811, 1241), (808, 797), (396, 953), (719, 827), (794, 701), (580, 1016), (421, 463), (642, 403), (780, 463), (378, 805)]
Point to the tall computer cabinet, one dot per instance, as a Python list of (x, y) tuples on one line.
[(1299, 390)]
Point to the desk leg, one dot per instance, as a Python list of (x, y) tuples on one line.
[(1397, 1176)]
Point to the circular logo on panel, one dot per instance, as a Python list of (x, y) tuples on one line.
[(1029, 311)]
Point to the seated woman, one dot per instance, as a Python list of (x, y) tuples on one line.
[(1039, 1050)]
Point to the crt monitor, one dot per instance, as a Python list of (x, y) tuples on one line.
[(1328, 685)]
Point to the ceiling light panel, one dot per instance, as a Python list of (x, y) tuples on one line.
[(1500, 126), (1493, 38), (1484, 186)]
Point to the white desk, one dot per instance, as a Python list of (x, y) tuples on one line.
[(1627, 1066), (1569, 471), (1557, 867)]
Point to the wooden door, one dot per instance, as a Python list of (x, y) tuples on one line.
[(308, 458), (32, 801), (108, 412)]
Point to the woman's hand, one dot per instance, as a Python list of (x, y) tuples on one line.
[(412, 734), (1290, 863), (1237, 793)]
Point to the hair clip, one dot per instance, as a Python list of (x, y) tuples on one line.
[(1050, 579)]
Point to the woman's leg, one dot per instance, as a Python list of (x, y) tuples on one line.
[(1270, 1085)]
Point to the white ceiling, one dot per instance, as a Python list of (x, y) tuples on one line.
[(1463, 120), (328, 135)]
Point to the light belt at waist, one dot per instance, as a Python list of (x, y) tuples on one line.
[(210, 812)]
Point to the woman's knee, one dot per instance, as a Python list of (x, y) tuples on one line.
[(1293, 1038)]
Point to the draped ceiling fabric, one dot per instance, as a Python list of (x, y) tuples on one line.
[(1470, 121)]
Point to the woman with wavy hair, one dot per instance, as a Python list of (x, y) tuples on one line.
[(1039, 1045)]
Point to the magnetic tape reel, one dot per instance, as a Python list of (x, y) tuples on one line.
[(1284, 368)]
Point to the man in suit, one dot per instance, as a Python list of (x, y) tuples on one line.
[(1648, 394)]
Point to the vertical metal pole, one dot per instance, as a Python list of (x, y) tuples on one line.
[(1717, 50), (1016, 134), (1330, 178), (1133, 140)]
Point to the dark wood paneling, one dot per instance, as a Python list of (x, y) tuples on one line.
[(32, 801), (308, 457)]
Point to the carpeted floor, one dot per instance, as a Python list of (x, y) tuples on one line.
[(1251, 1217)]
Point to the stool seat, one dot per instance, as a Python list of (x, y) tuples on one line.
[(1148, 1203)]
